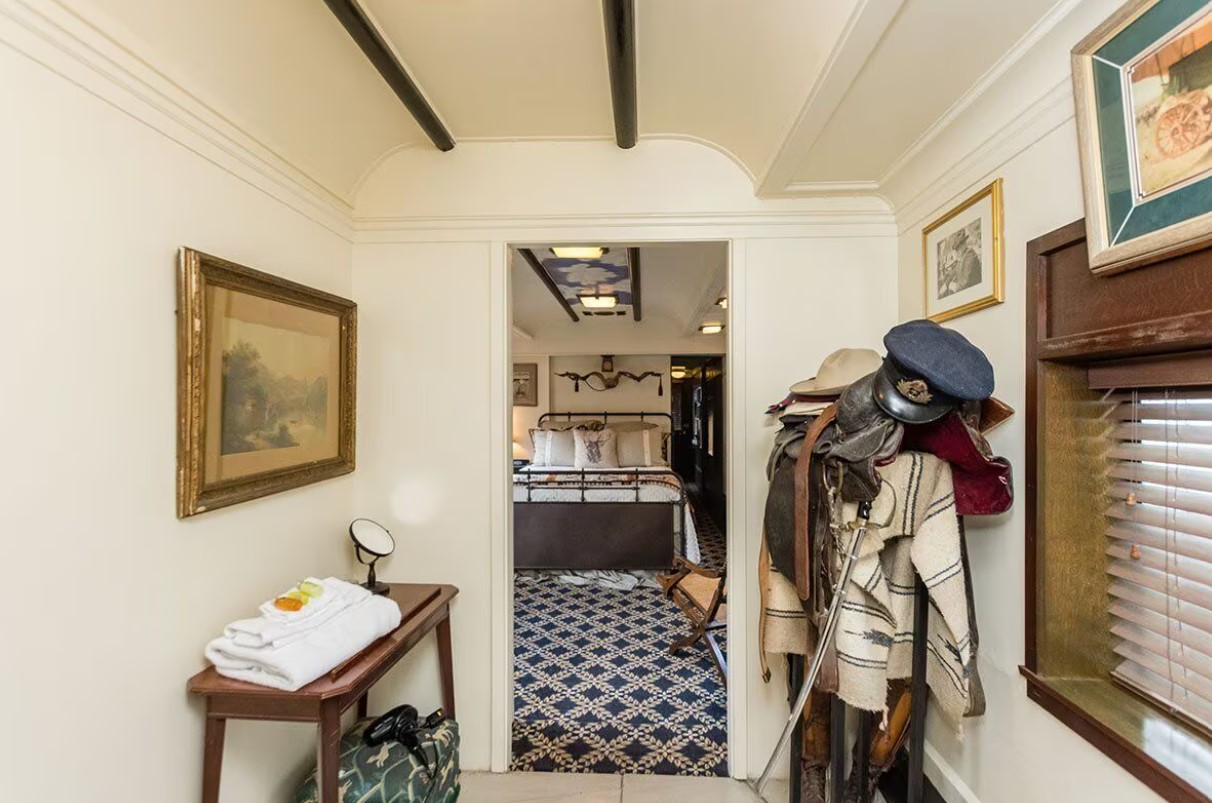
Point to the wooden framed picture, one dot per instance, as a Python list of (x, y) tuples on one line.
[(265, 384), (525, 384), (1143, 89), (962, 257)]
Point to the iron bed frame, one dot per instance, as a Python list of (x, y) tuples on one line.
[(588, 534)]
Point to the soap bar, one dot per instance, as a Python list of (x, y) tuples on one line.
[(288, 604)]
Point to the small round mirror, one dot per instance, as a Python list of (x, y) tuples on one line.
[(372, 537)]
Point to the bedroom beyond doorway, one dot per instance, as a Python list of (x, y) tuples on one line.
[(619, 502)]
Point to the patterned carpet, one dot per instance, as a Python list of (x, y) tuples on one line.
[(596, 689)]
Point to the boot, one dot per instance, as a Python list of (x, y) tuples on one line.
[(812, 783), (885, 744)]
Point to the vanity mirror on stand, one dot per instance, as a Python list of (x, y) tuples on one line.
[(371, 541)]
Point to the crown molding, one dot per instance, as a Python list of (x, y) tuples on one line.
[(78, 50), (1038, 119), (863, 220)]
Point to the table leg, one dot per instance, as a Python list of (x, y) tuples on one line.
[(446, 660), (363, 705), (328, 754), (212, 758)]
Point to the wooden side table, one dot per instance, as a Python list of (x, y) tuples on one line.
[(424, 607)]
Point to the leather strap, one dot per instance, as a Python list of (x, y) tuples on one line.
[(803, 534)]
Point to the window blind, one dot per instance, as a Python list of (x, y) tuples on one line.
[(1159, 546)]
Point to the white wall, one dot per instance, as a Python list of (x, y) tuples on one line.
[(527, 418), (627, 397), (1021, 130), (431, 277), (109, 599)]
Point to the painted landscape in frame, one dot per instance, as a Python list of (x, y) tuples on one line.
[(266, 392)]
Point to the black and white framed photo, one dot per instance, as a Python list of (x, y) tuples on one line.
[(525, 384), (962, 257)]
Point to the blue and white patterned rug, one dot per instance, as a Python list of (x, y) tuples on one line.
[(596, 690)]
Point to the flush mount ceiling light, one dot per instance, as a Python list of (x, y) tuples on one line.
[(711, 328), (722, 302), (579, 251), (598, 300), (677, 372)]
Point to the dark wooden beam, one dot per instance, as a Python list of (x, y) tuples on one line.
[(372, 44), (547, 281), (619, 16), (633, 259)]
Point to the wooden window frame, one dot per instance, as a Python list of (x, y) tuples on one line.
[(1154, 322)]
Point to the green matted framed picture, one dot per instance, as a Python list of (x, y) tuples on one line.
[(1143, 89)]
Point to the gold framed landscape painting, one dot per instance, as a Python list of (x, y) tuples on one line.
[(1143, 90), (962, 257), (266, 373)]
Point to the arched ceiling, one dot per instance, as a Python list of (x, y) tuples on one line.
[(801, 94)]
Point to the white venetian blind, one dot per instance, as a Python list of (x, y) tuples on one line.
[(1159, 546)]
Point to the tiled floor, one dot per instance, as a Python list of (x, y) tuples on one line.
[(528, 787)]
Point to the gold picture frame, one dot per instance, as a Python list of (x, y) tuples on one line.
[(963, 257), (266, 373)]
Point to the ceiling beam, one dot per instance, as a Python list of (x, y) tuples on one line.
[(637, 296), (619, 16), (867, 25), (548, 282), (368, 38)]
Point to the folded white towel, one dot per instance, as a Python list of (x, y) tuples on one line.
[(335, 591), (266, 631), (300, 662)]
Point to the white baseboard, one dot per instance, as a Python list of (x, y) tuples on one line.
[(946, 780)]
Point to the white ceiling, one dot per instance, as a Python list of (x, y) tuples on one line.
[(796, 91), (932, 53), (680, 283)]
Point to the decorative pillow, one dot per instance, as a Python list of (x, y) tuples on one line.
[(596, 449), (640, 447), (631, 426), (552, 447), (591, 425)]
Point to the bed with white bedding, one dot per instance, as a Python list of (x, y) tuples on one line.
[(624, 519)]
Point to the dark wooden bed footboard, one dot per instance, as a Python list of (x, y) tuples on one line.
[(593, 535)]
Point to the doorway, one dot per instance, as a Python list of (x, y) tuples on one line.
[(599, 341)]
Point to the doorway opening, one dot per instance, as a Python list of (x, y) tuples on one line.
[(618, 508)]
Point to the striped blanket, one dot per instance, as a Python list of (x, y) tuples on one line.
[(875, 629)]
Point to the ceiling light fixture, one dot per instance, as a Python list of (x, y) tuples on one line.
[(599, 301), (677, 372), (579, 251), (711, 328), (722, 302)]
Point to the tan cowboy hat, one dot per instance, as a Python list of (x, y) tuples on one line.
[(839, 370)]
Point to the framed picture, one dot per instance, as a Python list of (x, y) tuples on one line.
[(1143, 88), (962, 257), (265, 384), (525, 384)]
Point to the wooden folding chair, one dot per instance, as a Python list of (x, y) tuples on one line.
[(702, 595)]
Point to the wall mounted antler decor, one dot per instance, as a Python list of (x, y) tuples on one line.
[(608, 379)]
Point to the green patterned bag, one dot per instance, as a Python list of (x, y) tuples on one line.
[(390, 773)]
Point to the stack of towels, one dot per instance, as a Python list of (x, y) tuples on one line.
[(287, 649)]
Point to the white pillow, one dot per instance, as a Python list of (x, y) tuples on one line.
[(596, 449), (552, 447), (639, 447)]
